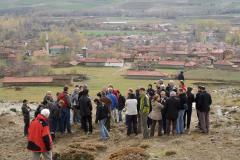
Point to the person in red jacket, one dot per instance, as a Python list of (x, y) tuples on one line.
[(39, 137)]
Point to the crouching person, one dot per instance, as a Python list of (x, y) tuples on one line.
[(39, 137)]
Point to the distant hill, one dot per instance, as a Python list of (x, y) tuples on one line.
[(162, 8)]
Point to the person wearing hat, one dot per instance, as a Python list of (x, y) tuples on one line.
[(39, 137), (26, 116), (205, 101), (188, 112)]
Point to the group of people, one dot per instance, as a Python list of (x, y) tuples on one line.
[(168, 106)]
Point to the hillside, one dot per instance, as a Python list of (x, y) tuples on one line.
[(159, 8)]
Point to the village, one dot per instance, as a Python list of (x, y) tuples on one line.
[(142, 55)]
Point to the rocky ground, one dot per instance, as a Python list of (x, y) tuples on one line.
[(223, 141)]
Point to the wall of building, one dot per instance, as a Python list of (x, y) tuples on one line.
[(102, 64), (114, 64), (169, 66), (144, 77)]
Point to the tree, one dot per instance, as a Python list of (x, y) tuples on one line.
[(233, 38)]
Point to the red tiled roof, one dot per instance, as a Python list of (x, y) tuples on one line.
[(27, 79), (93, 60), (41, 63), (114, 61), (172, 63), (180, 52), (74, 63), (217, 51), (12, 56), (99, 60), (224, 63), (190, 64), (39, 53), (145, 73)]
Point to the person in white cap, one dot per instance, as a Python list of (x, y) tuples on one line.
[(39, 137)]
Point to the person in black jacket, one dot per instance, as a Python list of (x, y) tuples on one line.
[(181, 76), (197, 105), (85, 106), (188, 112), (101, 117), (26, 116), (54, 117), (139, 122), (205, 102), (121, 104), (163, 98), (171, 108), (182, 108)]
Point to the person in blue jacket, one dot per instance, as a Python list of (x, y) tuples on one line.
[(114, 105)]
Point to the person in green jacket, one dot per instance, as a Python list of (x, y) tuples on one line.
[(144, 111)]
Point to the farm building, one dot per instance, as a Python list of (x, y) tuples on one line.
[(224, 64), (36, 81), (101, 62), (176, 64), (151, 75), (171, 64), (236, 62)]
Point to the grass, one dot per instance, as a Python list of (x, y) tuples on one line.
[(99, 33), (211, 74), (101, 77), (58, 4), (193, 7)]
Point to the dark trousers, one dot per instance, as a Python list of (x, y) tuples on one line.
[(65, 120), (171, 126), (164, 123), (154, 122), (53, 125), (108, 123), (26, 126), (187, 118), (198, 118), (204, 121), (87, 123), (131, 124), (139, 123), (76, 115)]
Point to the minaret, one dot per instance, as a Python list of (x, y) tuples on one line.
[(47, 44), (84, 52)]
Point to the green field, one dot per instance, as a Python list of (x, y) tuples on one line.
[(56, 4), (101, 77), (131, 7)]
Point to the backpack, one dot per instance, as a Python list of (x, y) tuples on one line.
[(63, 97)]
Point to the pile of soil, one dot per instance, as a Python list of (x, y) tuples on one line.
[(80, 151), (130, 153), (73, 154)]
